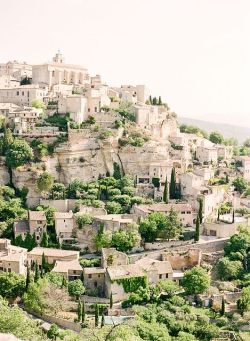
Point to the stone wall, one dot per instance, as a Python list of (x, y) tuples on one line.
[(65, 205), (183, 259), (4, 174), (65, 324), (164, 245)]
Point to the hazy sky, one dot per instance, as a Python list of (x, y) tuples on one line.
[(194, 53)]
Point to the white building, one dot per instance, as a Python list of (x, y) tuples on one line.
[(76, 105), (57, 72)]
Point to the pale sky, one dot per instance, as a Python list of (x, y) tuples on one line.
[(194, 53)]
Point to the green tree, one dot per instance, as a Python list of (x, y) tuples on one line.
[(196, 281), (197, 229), (18, 154), (243, 303), (113, 207), (8, 140), (172, 187), (83, 312), (200, 211), (45, 240), (240, 184), (96, 315), (159, 101), (165, 193), (222, 311), (79, 311), (84, 219), (154, 102), (53, 332), (229, 269), (173, 226), (111, 301), (103, 320), (76, 288), (28, 280), (117, 171), (216, 137), (125, 240), (45, 182), (12, 285), (58, 191), (37, 273)]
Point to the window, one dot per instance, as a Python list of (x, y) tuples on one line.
[(37, 237), (166, 275), (17, 93), (89, 276), (22, 93), (160, 276)]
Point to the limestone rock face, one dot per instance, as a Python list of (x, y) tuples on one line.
[(26, 177), (4, 174)]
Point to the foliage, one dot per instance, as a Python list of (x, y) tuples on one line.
[(15, 321), (197, 229), (132, 284), (216, 137), (189, 129), (87, 263), (156, 182), (38, 104), (196, 281), (240, 184), (113, 207), (53, 332), (83, 219), (244, 301), (55, 278), (45, 182), (117, 171), (18, 154), (125, 240), (229, 269), (44, 240), (165, 192), (57, 120), (12, 285), (76, 288)]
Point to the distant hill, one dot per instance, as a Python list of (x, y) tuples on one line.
[(227, 130)]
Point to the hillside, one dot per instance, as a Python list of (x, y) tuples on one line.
[(227, 130)]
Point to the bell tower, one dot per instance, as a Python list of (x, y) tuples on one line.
[(58, 58)]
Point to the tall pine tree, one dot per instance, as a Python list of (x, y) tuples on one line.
[(96, 315), (79, 311), (27, 278), (165, 193), (159, 101), (200, 211), (111, 301), (172, 188), (83, 312), (45, 240)]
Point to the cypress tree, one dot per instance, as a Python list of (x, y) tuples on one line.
[(45, 240), (172, 189), (117, 171), (200, 212), (197, 229), (83, 312), (34, 243), (159, 101), (165, 193), (79, 311), (28, 242), (44, 263), (27, 278), (37, 274), (227, 179), (222, 312), (233, 217), (150, 99), (154, 102), (218, 215), (111, 301), (64, 282), (102, 322), (96, 315)]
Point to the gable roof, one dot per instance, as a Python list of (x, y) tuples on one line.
[(125, 271), (37, 215), (149, 264), (65, 266)]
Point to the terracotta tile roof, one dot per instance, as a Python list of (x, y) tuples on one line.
[(38, 251), (92, 270), (162, 267), (37, 215), (125, 271), (65, 266)]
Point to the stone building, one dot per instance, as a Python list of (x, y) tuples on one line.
[(183, 259), (76, 105), (184, 210), (71, 270), (12, 258), (36, 224), (64, 226), (244, 168), (7, 81), (58, 72), (113, 222), (16, 69), (207, 154), (51, 255), (23, 120), (23, 95)]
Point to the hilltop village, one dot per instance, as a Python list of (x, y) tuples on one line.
[(116, 222)]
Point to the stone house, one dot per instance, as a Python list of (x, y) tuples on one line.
[(113, 222), (183, 259), (219, 229), (224, 152), (206, 154), (76, 105), (51, 255), (94, 280), (184, 210), (155, 269), (64, 226), (12, 258), (71, 270), (23, 95), (37, 224), (245, 166)]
